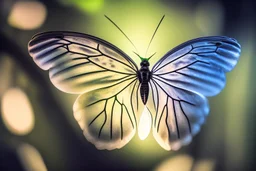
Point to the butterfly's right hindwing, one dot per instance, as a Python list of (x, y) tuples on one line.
[(178, 114)]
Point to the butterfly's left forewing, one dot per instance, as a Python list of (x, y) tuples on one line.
[(108, 107), (78, 62), (180, 82)]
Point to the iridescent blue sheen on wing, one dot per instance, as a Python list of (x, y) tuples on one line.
[(180, 82), (199, 65)]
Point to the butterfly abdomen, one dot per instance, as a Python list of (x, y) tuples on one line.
[(144, 90), (144, 76)]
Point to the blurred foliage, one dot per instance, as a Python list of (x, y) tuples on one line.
[(226, 141), (89, 6)]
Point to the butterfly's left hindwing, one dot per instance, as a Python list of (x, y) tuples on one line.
[(108, 107), (108, 116)]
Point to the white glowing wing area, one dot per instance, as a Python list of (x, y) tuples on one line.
[(108, 116), (180, 83), (145, 124), (78, 62), (108, 107)]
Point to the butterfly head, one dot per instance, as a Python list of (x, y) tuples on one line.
[(144, 61)]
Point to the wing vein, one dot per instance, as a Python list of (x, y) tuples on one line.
[(96, 117), (166, 119), (121, 122), (171, 96), (157, 107), (111, 119), (128, 114), (68, 68), (172, 60), (116, 93), (175, 116), (118, 61), (105, 119), (189, 125), (80, 44), (110, 69), (186, 66), (161, 117), (132, 102)]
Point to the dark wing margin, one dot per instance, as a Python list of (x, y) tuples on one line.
[(79, 62), (182, 79)]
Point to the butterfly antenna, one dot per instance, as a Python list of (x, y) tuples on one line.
[(151, 56), (155, 33), (121, 31)]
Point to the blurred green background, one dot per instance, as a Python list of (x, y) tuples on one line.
[(37, 127)]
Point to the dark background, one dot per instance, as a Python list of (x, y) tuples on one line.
[(49, 137)]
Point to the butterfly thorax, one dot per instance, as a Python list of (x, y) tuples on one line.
[(144, 76)]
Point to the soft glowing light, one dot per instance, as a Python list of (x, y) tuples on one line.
[(139, 27), (5, 70), (145, 124), (209, 17), (180, 163), (30, 158), (27, 15), (17, 112), (204, 165)]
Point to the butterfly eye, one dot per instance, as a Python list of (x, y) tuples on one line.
[(144, 63)]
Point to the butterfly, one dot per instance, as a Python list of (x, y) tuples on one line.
[(117, 98)]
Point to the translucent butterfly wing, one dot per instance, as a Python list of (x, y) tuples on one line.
[(199, 65), (178, 114), (78, 62), (108, 106), (180, 82), (109, 122)]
